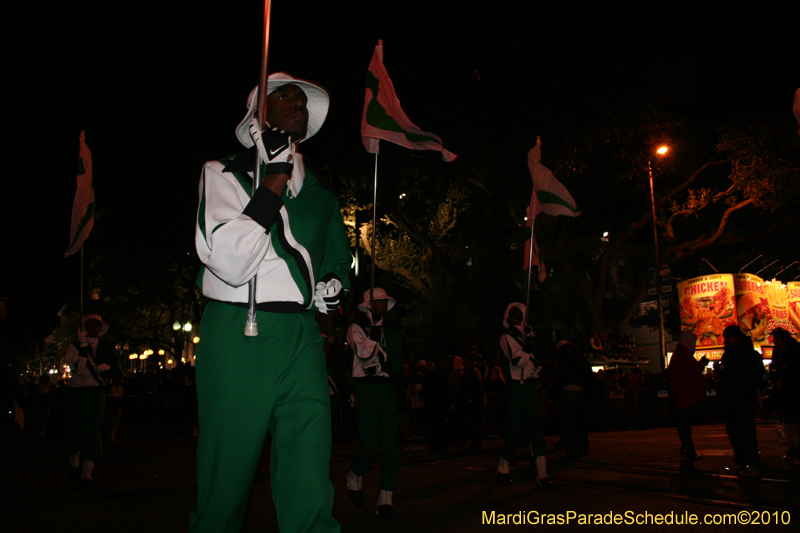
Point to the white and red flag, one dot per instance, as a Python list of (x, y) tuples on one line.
[(83, 207), (383, 118), (549, 195)]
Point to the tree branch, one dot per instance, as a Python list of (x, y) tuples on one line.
[(422, 238), (416, 281), (451, 225), (604, 263), (688, 248), (670, 222)]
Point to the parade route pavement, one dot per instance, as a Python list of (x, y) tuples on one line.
[(636, 478)]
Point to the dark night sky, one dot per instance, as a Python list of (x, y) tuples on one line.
[(160, 86)]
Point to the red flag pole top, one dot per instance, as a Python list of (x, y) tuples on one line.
[(251, 327)]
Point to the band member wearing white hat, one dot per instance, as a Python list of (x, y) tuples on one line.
[(289, 232), (522, 393), (90, 362), (378, 358)]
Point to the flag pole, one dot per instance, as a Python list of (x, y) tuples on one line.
[(530, 268), (374, 217), (81, 300), (251, 327), (374, 205)]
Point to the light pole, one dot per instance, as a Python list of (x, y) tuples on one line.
[(195, 341), (187, 328), (661, 340)]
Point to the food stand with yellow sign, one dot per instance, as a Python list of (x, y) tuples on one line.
[(711, 303)]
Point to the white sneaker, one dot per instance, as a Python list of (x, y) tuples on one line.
[(353, 481), (354, 491), (88, 466)]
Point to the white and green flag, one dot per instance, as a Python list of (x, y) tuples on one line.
[(383, 118), (83, 207), (549, 195)]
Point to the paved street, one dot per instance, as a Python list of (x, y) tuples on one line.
[(148, 485)]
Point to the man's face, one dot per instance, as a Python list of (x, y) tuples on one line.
[(514, 316), (380, 306), (93, 328), (287, 111)]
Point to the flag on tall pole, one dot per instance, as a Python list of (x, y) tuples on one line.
[(549, 195), (383, 118), (535, 258), (83, 206)]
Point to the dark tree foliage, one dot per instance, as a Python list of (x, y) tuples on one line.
[(451, 235)]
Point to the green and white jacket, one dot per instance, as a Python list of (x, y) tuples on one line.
[(289, 242)]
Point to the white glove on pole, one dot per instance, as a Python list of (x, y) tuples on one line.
[(327, 294)]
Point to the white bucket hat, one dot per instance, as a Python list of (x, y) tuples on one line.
[(318, 102), (377, 294), (103, 325), (518, 305)]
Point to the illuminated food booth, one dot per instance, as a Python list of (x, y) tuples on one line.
[(711, 303)]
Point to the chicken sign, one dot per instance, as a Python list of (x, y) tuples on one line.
[(707, 308), (709, 304)]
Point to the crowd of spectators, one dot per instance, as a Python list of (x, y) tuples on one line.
[(139, 403), (437, 399)]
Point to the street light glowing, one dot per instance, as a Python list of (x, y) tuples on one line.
[(662, 150)]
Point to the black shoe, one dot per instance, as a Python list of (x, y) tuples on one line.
[(474, 449), (75, 474), (689, 454), (504, 479), (386, 511), (748, 471), (546, 483), (357, 497)]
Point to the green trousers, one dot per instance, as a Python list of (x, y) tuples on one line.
[(524, 419), (248, 386), (378, 424), (86, 408)]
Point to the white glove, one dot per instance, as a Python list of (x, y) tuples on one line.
[(536, 371), (275, 147), (375, 319), (327, 294), (82, 338)]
